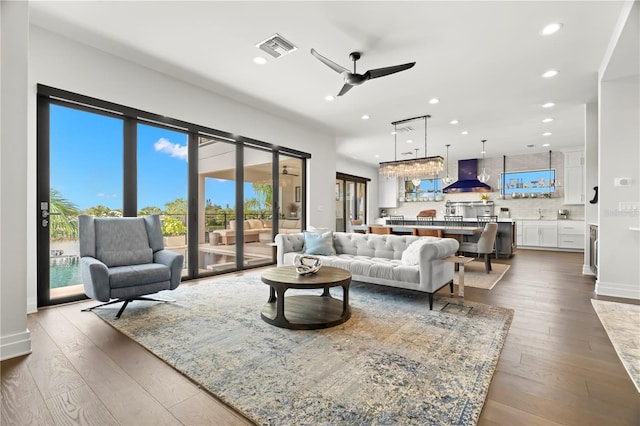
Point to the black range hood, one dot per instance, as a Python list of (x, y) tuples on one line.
[(467, 179)]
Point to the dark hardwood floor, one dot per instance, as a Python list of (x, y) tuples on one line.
[(557, 366)]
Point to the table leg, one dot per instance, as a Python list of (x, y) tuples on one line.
[(272, 295), (461, 282), (345, 299), (280, 306)]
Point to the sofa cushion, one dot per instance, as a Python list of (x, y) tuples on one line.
[(411, 256), (319, 244), (125, 257), (253, 224), (135, 275)]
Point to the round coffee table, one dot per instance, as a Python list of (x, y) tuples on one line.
[(306, 312)]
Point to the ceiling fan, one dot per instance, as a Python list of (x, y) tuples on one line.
[(287, 172), (352, 78)]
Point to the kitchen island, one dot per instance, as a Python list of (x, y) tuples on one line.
[(505, 239)]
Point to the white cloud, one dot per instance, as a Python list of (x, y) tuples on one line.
[(103, 195), (173, 149)]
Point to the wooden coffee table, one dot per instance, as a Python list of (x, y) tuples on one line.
[(306, 312)]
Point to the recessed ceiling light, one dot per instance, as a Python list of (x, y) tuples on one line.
[(434, 100), (377, 156), (365, 117), (546, 144), (409, 141), (551, 28), (259, 60), (329, 98), (550, 73), (547, 120), (464, 132), (454, 122), (393, 133), (547, 134), (548, 105)]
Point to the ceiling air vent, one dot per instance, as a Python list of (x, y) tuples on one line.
[(276, 46)]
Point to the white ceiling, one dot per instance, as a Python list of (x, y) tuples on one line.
[(483, 60)]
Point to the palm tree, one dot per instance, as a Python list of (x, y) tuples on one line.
[(63, 219)]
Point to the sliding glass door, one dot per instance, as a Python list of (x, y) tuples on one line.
[(162, 173), (351, 201), (220, 196), (80, 157)]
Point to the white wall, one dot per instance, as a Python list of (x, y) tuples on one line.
[(15, 338), (65, 64), (591, 176), (619, 156)]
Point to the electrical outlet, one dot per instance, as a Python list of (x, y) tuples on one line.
[(622, 181)]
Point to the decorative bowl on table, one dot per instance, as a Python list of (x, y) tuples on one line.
[(306, 265)]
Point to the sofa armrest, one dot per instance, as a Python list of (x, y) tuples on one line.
[(435, 272), (174, 261), (95, 278), (286, 243)]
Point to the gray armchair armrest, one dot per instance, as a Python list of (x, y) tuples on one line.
[(174, 261), (95, 276)]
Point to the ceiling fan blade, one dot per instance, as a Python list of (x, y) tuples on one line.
[(381, 72), (337, 68), (345, 89)]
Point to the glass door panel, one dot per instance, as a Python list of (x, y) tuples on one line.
[(290, 202), (340, 206), (258, 207), (216, 205), (83, 174), (162, 183)]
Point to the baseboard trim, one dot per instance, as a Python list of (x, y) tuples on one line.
[(32, 306), (617, 290), (15, 345), (586, 270)]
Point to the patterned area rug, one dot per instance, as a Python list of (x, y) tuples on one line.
[(393, 362), (475, 276), (622, 323)]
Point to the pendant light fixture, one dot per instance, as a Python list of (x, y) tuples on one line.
[(484, 176), (413, 169), (447, 180)]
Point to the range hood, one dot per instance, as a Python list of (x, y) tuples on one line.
[(467, 179)]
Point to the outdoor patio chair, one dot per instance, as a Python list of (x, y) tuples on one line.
[(123, 259)]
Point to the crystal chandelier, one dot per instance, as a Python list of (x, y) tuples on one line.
[(412, 169), (484, 176)]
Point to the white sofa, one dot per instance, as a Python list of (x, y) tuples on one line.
[(378, 259)]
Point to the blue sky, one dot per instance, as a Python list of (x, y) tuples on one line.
[(86, 163)]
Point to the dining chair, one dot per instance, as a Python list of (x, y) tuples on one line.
[(424, 220), (453, 221), (378, 230), (427, 213), (420, 232), (482, 221), (396, 220), (484, 246)]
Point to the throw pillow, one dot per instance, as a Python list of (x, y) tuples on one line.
[(411, 255), (319, 244)]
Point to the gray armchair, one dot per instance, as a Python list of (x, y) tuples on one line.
[(123, 259), (484, 245)]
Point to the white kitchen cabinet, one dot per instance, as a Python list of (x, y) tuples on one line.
[(540, 233), (571, 234), (387, 192), (574, 177)]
